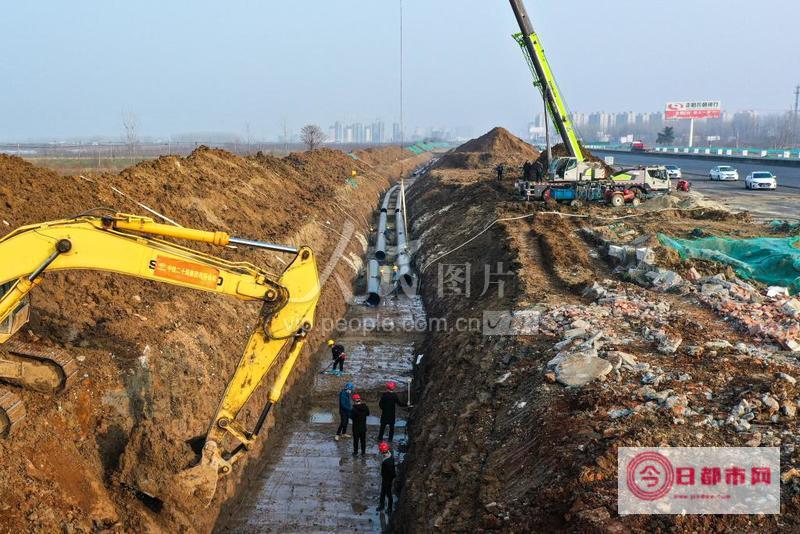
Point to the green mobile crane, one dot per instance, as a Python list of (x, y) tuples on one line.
[(573, 176)]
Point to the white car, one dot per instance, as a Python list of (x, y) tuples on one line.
[(761, 180), (723, 172), (674, 171)]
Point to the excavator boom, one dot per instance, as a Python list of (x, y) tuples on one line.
[(134, 246)]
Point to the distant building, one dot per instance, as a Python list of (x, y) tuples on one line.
[(536, 132), (397, 135), (378, 131), (358, 132), (656, 119), (338, 132), (625, 118), (579, 120), (601, 121)]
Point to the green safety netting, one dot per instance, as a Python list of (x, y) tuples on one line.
[(771, 260)]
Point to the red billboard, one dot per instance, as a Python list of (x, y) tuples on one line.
[(707, 109)]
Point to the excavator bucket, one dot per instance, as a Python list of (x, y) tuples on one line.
[(199, 483)]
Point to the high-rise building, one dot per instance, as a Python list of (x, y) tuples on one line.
[(625, 118), (358, 132), (601, 121), (338, 132), (579, 120), (348, 136), (397, 135), (378, 133), (656, 119), (368, 133)]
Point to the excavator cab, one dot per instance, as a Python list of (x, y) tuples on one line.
[(18, 318)]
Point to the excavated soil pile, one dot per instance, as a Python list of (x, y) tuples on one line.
[(497, 439), (154, 359), (497, 146)]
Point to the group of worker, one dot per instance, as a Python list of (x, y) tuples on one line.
[(352, 407), (531, 171)]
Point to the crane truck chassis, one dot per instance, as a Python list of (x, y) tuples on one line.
[(134, 246), (628, 186)]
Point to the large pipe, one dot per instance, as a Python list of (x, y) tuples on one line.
[(380, 244), (403, 260), (373, 283)]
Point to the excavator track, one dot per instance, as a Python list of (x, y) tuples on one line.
[(12, 411), (43, 369)]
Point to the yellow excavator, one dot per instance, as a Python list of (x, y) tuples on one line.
[(135, 246)]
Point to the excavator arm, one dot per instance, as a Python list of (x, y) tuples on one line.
[(132, 245)]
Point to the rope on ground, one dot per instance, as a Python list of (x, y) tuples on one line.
[(528, 215)]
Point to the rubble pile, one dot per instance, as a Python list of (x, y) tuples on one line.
[(770, 315), (643, 349)]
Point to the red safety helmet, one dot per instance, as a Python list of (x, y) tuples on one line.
[(391, 385), (356, 396), (383, 447)]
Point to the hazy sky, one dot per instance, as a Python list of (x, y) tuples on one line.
[(72, 68)]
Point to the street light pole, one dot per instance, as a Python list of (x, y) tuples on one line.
[(794, 121)]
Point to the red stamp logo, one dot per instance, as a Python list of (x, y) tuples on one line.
[(650, 476)]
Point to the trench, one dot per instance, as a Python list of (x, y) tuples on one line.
[(310, 481)]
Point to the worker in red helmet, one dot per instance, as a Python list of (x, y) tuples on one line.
[(388, 474), (359, 414), (389, 401)]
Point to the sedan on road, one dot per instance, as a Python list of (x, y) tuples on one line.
[(723, 172), (761, 180), (674, 171)]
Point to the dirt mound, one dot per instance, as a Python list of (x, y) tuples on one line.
[(154, 359), (382, 156), (497, 146)]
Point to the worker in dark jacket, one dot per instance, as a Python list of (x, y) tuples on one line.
[(359, 415), (337, 354), (345, 406), (389, 400), (500, 170), (388, 474)]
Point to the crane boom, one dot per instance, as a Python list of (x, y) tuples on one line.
[(532, 47)]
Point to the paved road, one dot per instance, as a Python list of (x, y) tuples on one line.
[(783, 203), (693, 168)]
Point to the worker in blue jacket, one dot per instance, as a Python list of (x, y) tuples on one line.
[(345, 406)]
